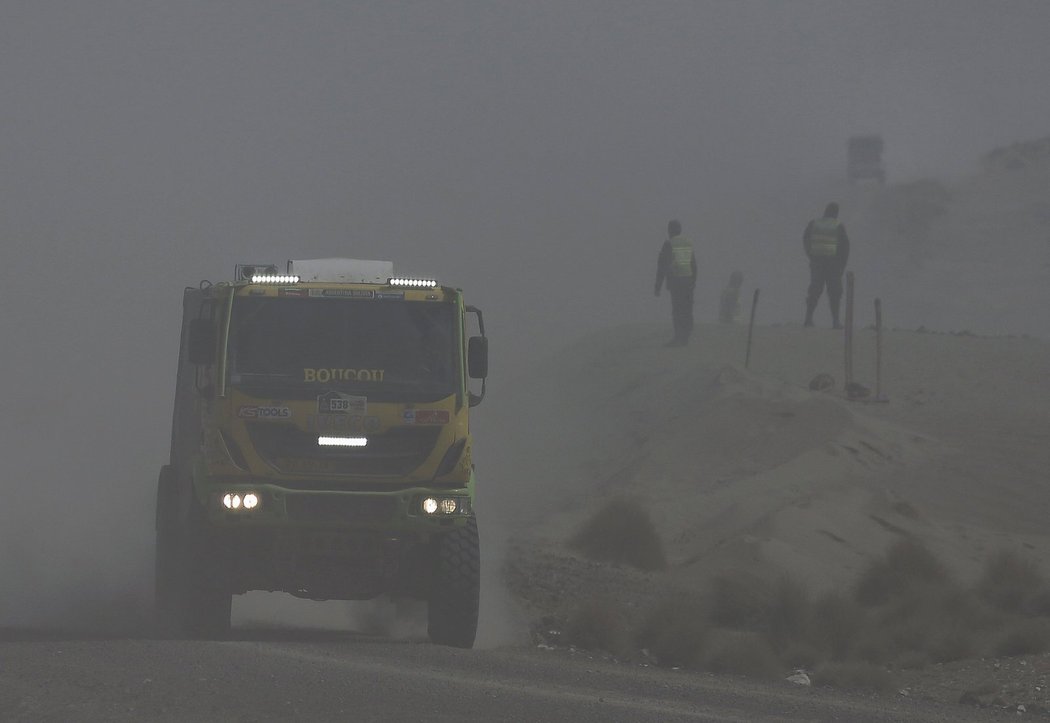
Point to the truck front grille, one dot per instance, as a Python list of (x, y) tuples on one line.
[(396, 452), (350, 509)]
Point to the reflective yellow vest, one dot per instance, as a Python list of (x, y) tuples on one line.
[(681, 257), (824, 237)]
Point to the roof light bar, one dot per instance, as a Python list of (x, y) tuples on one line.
[(274, 279), (342, 441), (413, 283)]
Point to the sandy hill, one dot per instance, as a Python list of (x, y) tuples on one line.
[(749, 470)]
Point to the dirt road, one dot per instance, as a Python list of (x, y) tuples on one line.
[(316, 676)]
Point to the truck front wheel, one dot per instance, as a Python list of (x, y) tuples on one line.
[(190, 600), (452, 609)]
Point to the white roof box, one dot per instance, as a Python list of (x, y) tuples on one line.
[(352, 271)]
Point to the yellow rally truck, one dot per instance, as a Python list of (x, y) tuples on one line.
[(321, 446)]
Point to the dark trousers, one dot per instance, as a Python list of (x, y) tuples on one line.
[(824, 272), (681, 306)]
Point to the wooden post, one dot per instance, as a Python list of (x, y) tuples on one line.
[(750, 328), (849, 328), (878, 350)]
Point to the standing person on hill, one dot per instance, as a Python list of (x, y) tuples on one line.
[(677, 265), (827, 246)]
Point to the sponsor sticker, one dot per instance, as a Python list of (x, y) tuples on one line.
[(343, 293), (256, 412), (339, 403), (425, 416)]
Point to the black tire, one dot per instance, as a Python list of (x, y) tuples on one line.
[(452, 609), (189, 599)]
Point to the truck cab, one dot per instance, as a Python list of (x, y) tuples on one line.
[(321, 445)]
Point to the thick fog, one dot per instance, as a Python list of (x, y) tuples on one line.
[(528, 152)]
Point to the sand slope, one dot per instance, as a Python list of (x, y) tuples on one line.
[(750, 470)]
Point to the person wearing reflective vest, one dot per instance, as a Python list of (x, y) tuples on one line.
[(677, 266), (827, 247)]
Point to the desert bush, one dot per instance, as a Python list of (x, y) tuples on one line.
[(950, 643), (740, 601), (1016, 155), (802, 654), (838, 622), (674, 631), (853, 676), (906, 564), (1013, 583), (599, 624), (1039, 604), (1024, 637), (912, 659), (939, 621), (910, 209), (740, 653), (789, 616), (621, 532)]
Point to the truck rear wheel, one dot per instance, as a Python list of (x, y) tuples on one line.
[(190, 602), (452, 609)]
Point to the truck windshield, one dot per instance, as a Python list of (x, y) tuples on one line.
[(370, 347)]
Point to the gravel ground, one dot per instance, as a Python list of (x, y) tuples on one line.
[(550, 584)]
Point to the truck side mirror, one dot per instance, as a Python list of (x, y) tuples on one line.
[(202, 342), (478, 357)]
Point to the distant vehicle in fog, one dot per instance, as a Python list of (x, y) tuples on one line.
[(864, 158)]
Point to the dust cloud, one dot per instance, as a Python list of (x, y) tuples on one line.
[(530, 153)]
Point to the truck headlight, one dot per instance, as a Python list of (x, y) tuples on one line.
[(441, 506), (235, 501)]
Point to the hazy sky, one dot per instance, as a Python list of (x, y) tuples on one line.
[(530, 152)]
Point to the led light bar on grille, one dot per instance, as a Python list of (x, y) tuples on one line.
[(342, 441), (274, 279), (413, 283)]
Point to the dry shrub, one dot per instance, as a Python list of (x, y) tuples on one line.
[(1039, 604), (838, 622), (940, 622), (1024, 637), (674, 632), (912, 660), (911, 209), (803, 655), (906, 564), (740, 653), (853, 676), (740, 601), (790, 615), (600, 624), (621, 532), (1013, 583)]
